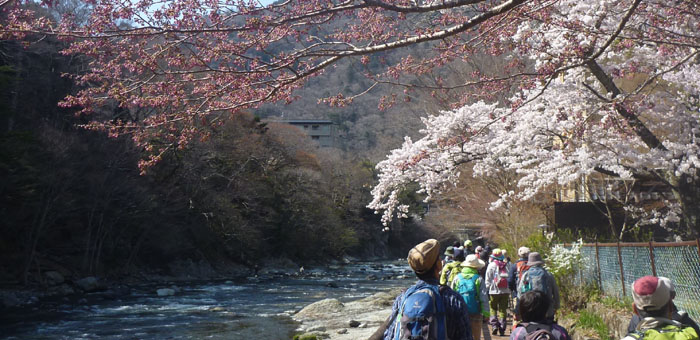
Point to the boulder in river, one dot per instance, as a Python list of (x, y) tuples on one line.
[(353, 323), (88, 284), (332, 285), (9, 299), (321, 308), (54, 278), (61, 290), (165, 292)]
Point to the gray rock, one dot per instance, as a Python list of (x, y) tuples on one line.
[(362, 325), (343, 331), (320, 308), (54, 278), (332, 285), (61, 290), (165, 292), (371, 277), (9, 300), (354, 323), (88, 284), (316, 329)]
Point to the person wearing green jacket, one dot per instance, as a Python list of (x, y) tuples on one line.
[(470, 285), (451, 269)]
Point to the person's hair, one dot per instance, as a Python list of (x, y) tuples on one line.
[(457, 244), (661, 312), (533, 306), (430, 274)]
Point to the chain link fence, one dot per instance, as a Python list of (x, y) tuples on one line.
[(615, 266)]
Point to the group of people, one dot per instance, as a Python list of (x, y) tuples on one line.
[(454, 295)]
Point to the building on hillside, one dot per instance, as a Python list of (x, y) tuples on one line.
[(595, 205), (321, 131)]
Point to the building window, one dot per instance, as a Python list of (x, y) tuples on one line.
[(306, 126), (315, 137), (314, 127)]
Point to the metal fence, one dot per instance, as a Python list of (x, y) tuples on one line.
[(615, 266)]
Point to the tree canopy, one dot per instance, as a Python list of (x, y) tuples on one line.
[(609, 86)]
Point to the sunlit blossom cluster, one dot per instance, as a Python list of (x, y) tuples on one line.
[(617, 96)]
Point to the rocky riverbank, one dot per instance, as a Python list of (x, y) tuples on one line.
[(355, 320)]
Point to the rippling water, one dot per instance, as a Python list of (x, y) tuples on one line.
[(257, 308)]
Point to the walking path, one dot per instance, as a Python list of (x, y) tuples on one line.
[(486, 333)]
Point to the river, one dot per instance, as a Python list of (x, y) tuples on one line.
[(252, 308)]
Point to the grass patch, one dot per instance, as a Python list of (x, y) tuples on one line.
[(593, 321), (624, 303)]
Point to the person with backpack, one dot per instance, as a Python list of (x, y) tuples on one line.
[(471, 286), (449, 255), (497, 283), (539, 279), (514, 275), (653, 302), (450, 270), (426, 310), (468, 247), (676, 314), (533, 308), (517, 270)]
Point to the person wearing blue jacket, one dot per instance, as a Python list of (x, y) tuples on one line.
[(425, 261)]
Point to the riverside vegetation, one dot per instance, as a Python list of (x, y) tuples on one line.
[(74, 203)]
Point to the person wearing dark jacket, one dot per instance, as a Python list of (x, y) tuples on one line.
[(514, 277), (425, 261), (534, 308)]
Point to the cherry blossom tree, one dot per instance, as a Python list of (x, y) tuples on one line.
[(174, 68), (608, 86), (616, 93)]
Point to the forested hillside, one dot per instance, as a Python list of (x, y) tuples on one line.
[(73, 200)]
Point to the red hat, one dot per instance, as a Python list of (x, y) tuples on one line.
[(651, 293)]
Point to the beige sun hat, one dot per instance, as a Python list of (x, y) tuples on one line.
[(423, 256), (473, 261)]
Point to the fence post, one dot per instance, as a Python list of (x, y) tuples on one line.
[(651, 257), (597, 263), (622, 271)]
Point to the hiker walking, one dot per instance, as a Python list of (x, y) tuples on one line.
[(471, 286), (497, 283), (539, 279), (535, 326), (653, 303), (451, 269), (468, 249), (449, 256), (677, 315), (514, 275), (427, 310)]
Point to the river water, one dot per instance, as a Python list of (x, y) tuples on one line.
[(253, 308)]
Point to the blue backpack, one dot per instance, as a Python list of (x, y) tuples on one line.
[(534, 278), (421, 315), (469, 291)]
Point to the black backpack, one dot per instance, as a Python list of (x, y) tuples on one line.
[(537, 331)]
